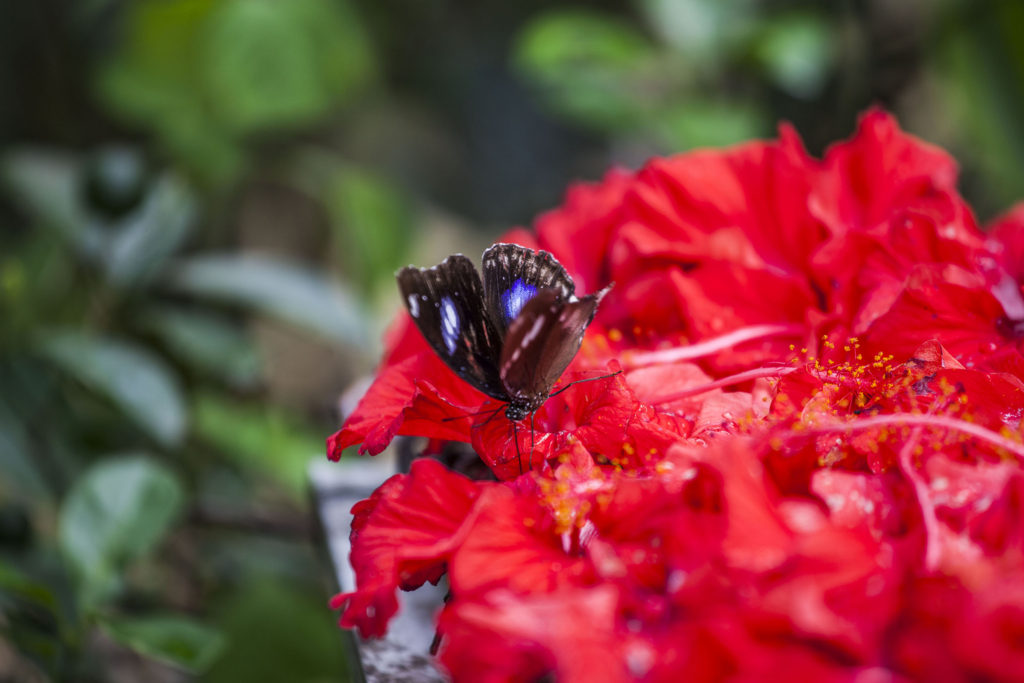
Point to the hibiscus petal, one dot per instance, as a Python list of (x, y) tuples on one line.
[(940, 303), (512, 544), (400, 402), (402, 536), (1006, 239), (578, 232), (879, 169), (569, 635)]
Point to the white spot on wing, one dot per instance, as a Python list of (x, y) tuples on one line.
[(534, 331), (538, 324), (414, 306)]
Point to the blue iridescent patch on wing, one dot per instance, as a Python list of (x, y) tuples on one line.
[(514, 298), (451, 326)]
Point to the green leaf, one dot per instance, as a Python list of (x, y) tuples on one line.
[(278, 631), (797, 51), (979, 70), (185, 643), (149, 76), (702, 31), (32, 620), (18, 585), (117, 512), (205, 147), (345, 57), (589, 66), (270, 64), (288, 292), (17, 463), (34, 636), (152, 233), (707, 123), (46, 184), (138, 382), (259, 71), (208, 342), (51, 186), (374, 224), (261, 437), (150, 79), (203, 74)]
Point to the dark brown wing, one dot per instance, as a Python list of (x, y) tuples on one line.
[(513, 275), (542, 341), (447, 303)]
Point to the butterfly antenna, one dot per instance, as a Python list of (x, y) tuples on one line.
[(463, 417), (581, 381), (493, 414)]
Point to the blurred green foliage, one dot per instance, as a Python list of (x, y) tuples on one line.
[(662, 82), (979, 72), (277, 630), (204, 75), (678, 74), (263, 438), (115, 513), (120, 341), (174, 640), (134, 427), (179, 179)]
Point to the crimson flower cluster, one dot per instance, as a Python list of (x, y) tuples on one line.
[(809, 467)]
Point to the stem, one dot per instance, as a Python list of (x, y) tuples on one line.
[(710, 346)]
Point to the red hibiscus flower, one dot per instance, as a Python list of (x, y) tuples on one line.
[(796, 449)]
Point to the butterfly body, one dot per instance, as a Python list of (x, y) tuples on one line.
[(510, 334)]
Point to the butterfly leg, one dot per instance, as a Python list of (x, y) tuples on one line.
[(532, 433), (515, 437)]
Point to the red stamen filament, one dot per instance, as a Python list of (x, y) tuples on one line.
[(738, 378), (931, 523), (936, 421), (706, 348)]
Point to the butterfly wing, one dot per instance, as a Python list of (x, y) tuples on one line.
[(542, 341), (513, 275), (447, 303)]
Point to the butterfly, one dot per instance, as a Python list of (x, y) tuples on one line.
[(510, 334)]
